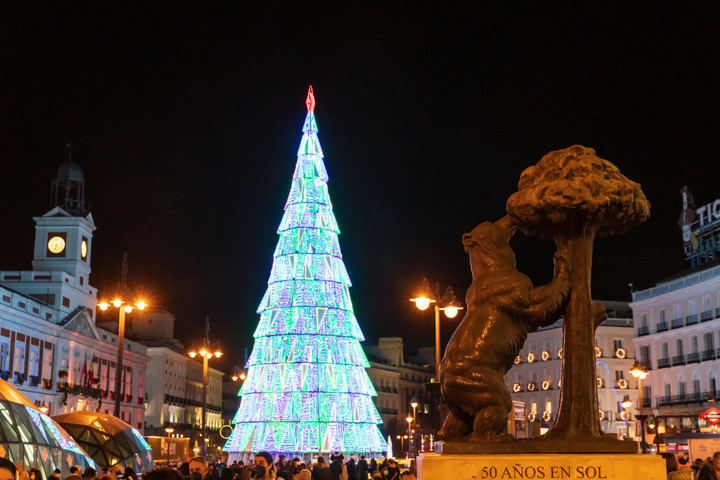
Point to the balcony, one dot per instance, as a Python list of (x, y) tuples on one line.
[(691, 319), (662, 326), (683, 398), (693, 357), (678, 360), (679, 323), (663, 362), (706, 316), (642, 331), (708, 354), (647, 364)]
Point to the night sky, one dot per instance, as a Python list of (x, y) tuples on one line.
[(187, 121)]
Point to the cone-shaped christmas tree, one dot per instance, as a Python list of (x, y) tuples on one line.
[(306, 389)]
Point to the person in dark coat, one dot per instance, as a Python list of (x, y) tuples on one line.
[(362, 469), (351, 470), (321, 471)]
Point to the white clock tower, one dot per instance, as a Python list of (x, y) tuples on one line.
[(63, 236)]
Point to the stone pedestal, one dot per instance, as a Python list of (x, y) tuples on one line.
[(540, 466)]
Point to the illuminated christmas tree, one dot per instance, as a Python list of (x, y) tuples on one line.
[(306, 389)]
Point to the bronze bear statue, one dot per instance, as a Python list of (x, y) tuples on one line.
[(502, 308)]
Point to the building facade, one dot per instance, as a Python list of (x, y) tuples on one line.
[(399, 382), (677, 338), (534, 380), (50, 346), (175, 396)]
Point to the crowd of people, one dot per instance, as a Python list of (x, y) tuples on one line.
[(679, 467), (262, 467)]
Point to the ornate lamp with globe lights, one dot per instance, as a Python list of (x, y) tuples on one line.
[(447, 303), (123, 309)]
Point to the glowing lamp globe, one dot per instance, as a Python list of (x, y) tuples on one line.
[(422, 303), (141, 305), (103, 306), (451, 311), (116, 303)]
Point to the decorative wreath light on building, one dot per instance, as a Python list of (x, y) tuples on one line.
[(531, 357), (546, 416), (598, 352), (601, 414), (531, 387), (518, 360), (560, 352), (545, 355), (620, 353), (517, 387), (622, 383), (531, 416), (599, 382), (545, 384)]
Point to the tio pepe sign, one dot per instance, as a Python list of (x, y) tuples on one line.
[(711, 416)]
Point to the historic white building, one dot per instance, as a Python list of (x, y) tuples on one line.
[(50, 348), (678, 340), (534, 380)]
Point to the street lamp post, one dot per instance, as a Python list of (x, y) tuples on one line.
[(626, 404), (168, 430), (450, 306), (206, 353), (639, 372), (409, 421), (123, 308)]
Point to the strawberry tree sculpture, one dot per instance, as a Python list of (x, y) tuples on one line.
[(571, 197)]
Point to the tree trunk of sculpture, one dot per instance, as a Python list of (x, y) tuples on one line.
[(578, 409)]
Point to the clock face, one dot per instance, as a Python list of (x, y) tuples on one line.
[(56, 244), (83, 248)]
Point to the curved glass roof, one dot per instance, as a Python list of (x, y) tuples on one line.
[(108, 440), (30, 437)]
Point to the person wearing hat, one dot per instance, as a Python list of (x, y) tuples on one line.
[(7, 469)]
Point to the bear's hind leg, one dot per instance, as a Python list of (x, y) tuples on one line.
[(454, 428), (490, 423)]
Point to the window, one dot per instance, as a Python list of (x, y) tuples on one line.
[(696, 386), (34, 363), (681, 388), (645, 354), (4, 356), (707, 307), (678, 311), (679, 347), (709, 341), (667, 390), (47, 364), (66, 302), (664, 350), (694, 345), (663, 316), (619, 374), (643, 321), (692, 307), (617, 343), (19, 359)]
